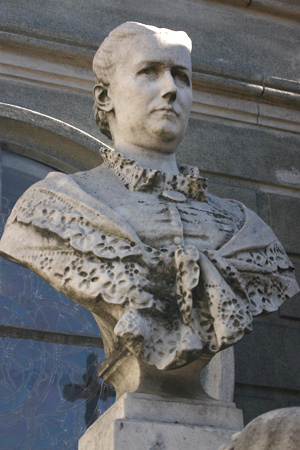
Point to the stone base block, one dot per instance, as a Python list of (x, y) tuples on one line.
[(148, 422)]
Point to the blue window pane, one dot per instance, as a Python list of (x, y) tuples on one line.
[(26, 299), (49, 394)]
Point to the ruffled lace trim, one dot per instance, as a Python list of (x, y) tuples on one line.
[(135, 178)]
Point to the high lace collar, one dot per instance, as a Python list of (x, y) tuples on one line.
[(135, 178)]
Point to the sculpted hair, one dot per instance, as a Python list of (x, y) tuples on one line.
[(107, 57)]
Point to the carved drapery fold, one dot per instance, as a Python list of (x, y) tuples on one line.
[(91, 254)]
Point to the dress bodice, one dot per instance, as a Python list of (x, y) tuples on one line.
[(202, 220), (157, 259)]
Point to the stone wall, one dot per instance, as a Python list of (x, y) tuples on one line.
[(243, 133)]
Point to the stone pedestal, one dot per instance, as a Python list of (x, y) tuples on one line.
[(149, 422)]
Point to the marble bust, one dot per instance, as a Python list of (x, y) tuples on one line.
[(171, 273)]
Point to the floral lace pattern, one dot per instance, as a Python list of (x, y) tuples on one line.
[(175, 303), (138, 179)]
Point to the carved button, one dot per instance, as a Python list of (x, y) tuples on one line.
[(173, 196), (177, 240)]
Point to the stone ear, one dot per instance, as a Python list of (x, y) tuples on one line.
[(102, 98)]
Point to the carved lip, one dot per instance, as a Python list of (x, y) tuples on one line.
[(167, 110)]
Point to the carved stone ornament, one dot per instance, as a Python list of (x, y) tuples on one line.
[(274, 430), (171, 273)]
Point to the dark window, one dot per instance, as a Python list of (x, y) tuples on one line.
[(49, 391)]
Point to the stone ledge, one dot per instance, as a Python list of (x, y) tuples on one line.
[(234, 151), (206, 412), (49, 123), (143, 435), (37, 154), (140, 421), (48, 140), (270, 102), (283, 8), (33, 34)]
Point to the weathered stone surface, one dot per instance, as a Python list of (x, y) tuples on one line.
[(257, 400), (282, 213), (137, 435), (46, 139), (273, 343), (287, 8), (234, 48), (212, 145), (239, 191), (61, 222), (275, 56), (217, 377), (275, 430), (248, 152), (150, 422), (172, 273), (291, 308), (69, 106)]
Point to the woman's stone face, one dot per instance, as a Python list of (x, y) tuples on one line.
[(151, 93)]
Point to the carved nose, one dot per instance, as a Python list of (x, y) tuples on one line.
[(169, 88), (170, 96)]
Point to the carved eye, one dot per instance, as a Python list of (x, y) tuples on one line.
[(149, 70), (181, 76)]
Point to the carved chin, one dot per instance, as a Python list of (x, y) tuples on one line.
[(170, 133)]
